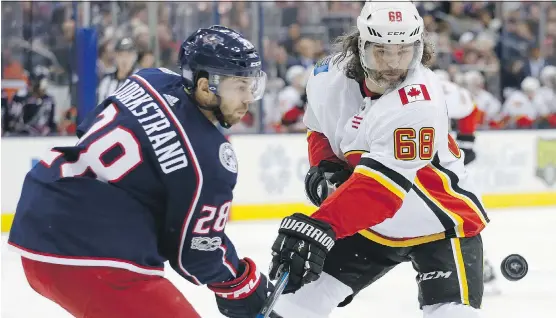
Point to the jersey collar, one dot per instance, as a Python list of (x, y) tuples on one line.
[(365, 92)]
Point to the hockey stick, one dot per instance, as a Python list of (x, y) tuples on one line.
[(271, 300)]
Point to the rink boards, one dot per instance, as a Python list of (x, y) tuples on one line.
[(513, 169)]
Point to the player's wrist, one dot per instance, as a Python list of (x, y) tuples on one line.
[(243, 285), (322, 180), (243, 296)]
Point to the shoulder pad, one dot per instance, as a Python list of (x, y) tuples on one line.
[(168, 71), (322, 65), (160, 77)]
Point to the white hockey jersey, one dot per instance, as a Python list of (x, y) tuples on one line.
[(288, 99), (488, 105), (546, 97), (518, 105), (409, 184), (458, 99)]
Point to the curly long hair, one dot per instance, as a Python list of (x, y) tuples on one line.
[(348, 46)]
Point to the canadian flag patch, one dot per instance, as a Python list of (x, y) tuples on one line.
[(413, 93)]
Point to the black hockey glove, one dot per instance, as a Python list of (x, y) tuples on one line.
[(243, 297), (323, 179), (466, 143), (301, 245)]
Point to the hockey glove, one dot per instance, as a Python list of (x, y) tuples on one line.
[(244, 296), (466, 143), (323, 179), (301, 245)]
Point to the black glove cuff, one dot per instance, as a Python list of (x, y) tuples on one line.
[(304, 227), (329, 166), (470, 155), (467, 138)]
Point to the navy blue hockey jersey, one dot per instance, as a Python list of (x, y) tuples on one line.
[(28, 114), (149, 180)]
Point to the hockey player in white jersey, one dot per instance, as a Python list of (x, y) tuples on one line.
[(547, 96), (292, 99), (488, 105), (377, 116), (463, 113), (522, 107)]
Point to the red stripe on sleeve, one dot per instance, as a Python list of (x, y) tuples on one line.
[(472, 223), (358, 204), (292, 116), (320, 149), (468, 124), (353, 158)]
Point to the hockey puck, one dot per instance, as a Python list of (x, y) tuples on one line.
[(514, 267)]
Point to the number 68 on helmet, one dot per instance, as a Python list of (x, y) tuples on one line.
[(390, 41)]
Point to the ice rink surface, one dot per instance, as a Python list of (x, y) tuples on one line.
[(530, 233)]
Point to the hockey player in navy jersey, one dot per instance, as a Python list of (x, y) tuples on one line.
[(150, 180)]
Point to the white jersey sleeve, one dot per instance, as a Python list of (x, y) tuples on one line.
[(547, 97), (518, 105), (310, 120), (489, 104), (332, 99), (458, 99), (540, 106)]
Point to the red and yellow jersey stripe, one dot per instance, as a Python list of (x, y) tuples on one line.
[(437, 186), (371, 195), (353, 157)]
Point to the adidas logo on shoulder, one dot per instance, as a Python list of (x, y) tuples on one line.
[(172, 100)]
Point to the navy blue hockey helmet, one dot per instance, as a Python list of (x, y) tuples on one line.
[(219, 53)]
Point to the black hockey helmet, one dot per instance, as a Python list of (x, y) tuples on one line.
[(217, 53)]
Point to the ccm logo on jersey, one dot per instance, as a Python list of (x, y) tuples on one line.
[(433, 275), (413, 93)]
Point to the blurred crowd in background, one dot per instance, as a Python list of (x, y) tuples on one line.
[(498, 50)]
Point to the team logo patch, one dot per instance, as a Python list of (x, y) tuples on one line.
[(322, 65), (228, 157), (206, 244), (212, 40), (546, 161), (172, 100), (413, 93)]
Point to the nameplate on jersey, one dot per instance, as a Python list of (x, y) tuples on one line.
[(154, 121), (413, 93), (322, 65)]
